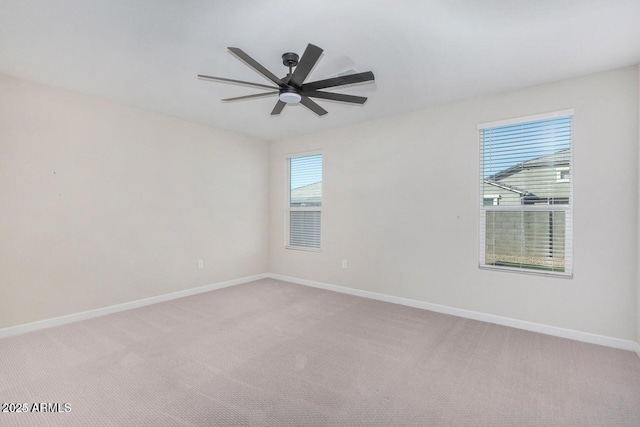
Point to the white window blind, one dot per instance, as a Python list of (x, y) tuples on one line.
[(304, 202), (526, 200)]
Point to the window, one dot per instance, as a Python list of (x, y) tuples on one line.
[(491, 199), (526, 200), (562, 174), (304, 202)]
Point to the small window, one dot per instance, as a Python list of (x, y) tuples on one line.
[(491, 199), (525, 164), (304, 202), (562, 174)]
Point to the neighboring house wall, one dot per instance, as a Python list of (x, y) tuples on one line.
[(308, 195), (531, 178), (544, 178)]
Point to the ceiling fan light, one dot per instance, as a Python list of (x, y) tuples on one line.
[(290, 97)]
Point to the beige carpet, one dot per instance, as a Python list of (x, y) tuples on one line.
[(270, 353)]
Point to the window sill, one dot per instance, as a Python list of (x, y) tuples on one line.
[(302, 248), (546, 273)]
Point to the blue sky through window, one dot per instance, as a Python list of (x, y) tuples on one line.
[(305, 170), (507, 146)]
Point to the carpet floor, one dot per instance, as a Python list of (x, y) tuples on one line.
[(271, 353)]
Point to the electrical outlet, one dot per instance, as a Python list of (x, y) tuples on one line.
[(344, 263), (200, 264)]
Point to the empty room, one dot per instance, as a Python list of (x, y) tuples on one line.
[(308, 213)]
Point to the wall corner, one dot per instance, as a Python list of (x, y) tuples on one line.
[(638, 218)]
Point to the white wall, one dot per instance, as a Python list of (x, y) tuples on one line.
[(102, 204), (400, 204)]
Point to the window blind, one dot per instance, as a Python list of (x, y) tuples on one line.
[(305, 201), (526, 206)]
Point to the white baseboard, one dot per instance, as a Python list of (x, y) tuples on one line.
[(62, 320), (475, 315)]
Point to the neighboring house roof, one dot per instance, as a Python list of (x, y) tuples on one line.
[(557, 159), (507, 187), (307, 194)]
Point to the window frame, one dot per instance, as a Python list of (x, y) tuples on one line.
[(549, 207), (288, 209)]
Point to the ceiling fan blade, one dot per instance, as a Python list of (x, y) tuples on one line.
[(305, 65), (339, 81), (336, 97), (225, 80), (278, 108), (313, 106), (257, 95), (255, 65)]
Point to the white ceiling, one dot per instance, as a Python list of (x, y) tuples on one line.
[(423, 53)]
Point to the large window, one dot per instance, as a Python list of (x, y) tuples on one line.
[(526, 200), (304, 202)]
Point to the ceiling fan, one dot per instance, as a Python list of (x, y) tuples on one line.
[(291, 89)]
